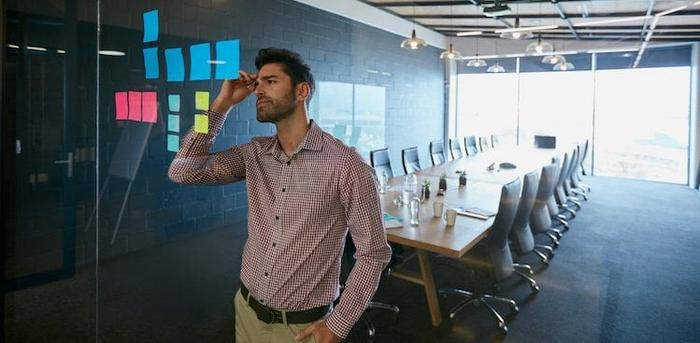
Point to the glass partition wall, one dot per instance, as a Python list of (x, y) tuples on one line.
[(99, 244), (637, 119)]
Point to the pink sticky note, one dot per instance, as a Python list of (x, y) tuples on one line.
[(122, 105), (135, 106), (150, 107)]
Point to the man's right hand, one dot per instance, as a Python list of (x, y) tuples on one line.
[(234, 91)]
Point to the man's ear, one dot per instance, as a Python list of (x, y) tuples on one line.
[(303, 91)]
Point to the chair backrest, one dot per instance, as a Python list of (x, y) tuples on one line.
[(409, 159), (437, 152), (494, 141), (564, 169), (380, 161), (497, 241), (484, 143), (545, 142), (540, 218), (455, 149), (520, 233), (470, 146)]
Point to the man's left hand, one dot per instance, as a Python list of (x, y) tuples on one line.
[(320, 331)]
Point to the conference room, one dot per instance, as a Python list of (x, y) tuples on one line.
[(536, 163)]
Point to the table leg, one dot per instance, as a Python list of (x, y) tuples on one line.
[(429, 285)]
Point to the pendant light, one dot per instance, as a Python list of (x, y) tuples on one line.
[(564, 65), (496, 68), (540, 46), (516, 33), (477, 62), (553, 58), (450, 53), (414, 42)]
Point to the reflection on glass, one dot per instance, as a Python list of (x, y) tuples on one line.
[(353, 113), (642, 123), (488, 104)]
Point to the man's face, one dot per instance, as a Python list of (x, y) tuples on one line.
[(276, 100)]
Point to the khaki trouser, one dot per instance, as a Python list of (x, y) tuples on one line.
[(249, 329)]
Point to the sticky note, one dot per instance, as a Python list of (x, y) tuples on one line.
[(174, 102), (227, 57), (135, 106), (150, 62), (149, 107), (200, 55), (201, 101), (201, 123), (121, 103), (150, 26), (173, 123), (174, 64), (173, 143)]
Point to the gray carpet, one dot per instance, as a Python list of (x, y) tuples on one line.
[(627, 271)]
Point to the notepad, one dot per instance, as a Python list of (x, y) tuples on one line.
[(475, 212), (391, 221)]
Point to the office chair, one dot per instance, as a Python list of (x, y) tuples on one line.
[(349, 261), (576, 178), (494, 141), (494, 257), (540, 218), (523, 242), (379, 159), (583, 158), (437, 152), (484, 143), (455, 148), (409, 159), (560, 210), (560, 194), (470, 146)]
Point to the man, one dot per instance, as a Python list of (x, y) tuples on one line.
[(305, 189)]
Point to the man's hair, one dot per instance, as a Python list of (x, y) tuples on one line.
[(292, 64)]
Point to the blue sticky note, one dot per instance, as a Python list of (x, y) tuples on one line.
[(227, 59), (150, 26), (200, 55), (174, 102), (150, 62), (173, 143), (175, 64), (173, 123)]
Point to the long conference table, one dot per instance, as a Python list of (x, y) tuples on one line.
[(483, 191)]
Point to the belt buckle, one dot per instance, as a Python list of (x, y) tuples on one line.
[(275, 316)]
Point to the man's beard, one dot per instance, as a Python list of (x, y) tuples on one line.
[(275, 110)]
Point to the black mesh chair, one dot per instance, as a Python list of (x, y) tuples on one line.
[(409, 159), (494, 141), (484, 143), (541, 216), (522, 239), (379, 159), (437, 152), (470, 146), (455, 149), (493, 257)]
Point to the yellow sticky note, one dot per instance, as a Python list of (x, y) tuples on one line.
[(201, 101), (201, 123)]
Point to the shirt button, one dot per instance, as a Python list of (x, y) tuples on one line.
[(289, 162), (277, 217), (262, 301), (265, 274), (274, 245), (283, 190)]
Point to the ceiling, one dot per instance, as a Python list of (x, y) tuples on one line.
[(601, 20)]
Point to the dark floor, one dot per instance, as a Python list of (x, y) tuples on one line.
[(627, 271)]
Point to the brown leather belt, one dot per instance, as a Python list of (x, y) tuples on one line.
[(270, 316)]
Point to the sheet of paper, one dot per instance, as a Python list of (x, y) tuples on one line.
[(149, 107), (201, 101), (200, 68), (201, 123), (135, 106), (121, 104), (227, 59), (174, 102), (150, 26), (173, 143), (150, 62), (174, 64), (173, 123)]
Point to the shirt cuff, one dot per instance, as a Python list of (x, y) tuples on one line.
[(338, 325)]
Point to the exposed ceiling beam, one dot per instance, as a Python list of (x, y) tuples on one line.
[(646, 21), (587, 29), (563, 16), (456, 3), (546, 16)]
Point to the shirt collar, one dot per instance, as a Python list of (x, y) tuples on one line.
[(313, 140)]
